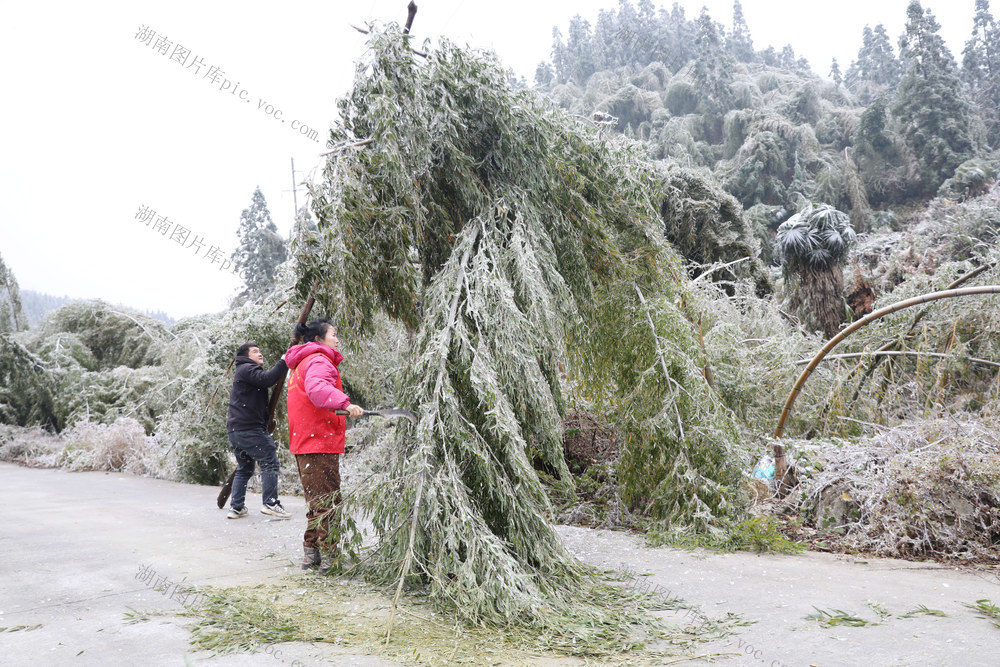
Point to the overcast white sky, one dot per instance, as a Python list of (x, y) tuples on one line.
[(96, 124)]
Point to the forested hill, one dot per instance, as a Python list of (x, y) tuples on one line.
[(892, 128), (37, 304)]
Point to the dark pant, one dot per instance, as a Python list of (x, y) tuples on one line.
[(320, 475), (249, 446)]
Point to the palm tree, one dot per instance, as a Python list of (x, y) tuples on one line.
[(813, 244)]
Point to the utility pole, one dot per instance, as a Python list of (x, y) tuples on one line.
[(295, 203)]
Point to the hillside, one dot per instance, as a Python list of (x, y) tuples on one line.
[(773, 132), (36, 305)]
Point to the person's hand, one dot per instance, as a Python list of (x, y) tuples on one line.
[(355, 411), (283, 357)]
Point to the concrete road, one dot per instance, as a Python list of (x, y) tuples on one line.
[(77, 550), (777, 592)]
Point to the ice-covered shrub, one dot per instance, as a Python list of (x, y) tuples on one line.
[(33, 446), (122, 446), (972, 178), (114, 335), (924, 488)]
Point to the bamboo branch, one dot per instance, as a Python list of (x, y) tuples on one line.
[(406, 31), (718, 267), (894, 344), (863, 423), (442, 370), (142, 326), (345, 146), (659, 353)]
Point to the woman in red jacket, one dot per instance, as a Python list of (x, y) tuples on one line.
[(316, 434)]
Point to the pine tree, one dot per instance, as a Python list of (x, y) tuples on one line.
[(739, 43), (261, 249), (930, 106), (876, 70), (11, 313), (981, 69), (980, 57), (835, 74)]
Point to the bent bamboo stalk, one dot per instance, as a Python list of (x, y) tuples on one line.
[(780, 463), (900, 353)]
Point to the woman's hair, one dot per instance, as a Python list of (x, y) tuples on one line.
[(313, 331)]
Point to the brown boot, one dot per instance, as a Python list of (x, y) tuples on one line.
[(310, 558)]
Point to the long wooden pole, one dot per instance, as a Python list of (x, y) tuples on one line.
[(780, 462), (272, 403)]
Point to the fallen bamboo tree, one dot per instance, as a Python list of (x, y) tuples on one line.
[(514, 241), (781, 469), (895, 344)]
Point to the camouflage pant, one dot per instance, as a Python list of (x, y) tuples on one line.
[(320, 476)]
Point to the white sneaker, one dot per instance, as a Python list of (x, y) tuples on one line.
[(276, 510), (237, 513)]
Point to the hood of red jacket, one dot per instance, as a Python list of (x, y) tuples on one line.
[(297, 353)]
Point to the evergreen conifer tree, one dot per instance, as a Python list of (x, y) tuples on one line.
[(11, 313), (681, 36), (580, 50), (981, 69), (261, 249), (713, 75), (739, 42), (560, 57), (930, 106), (835, 74), (544, 75), (876, 70)]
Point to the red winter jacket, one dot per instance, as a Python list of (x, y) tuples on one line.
[(314, 391)]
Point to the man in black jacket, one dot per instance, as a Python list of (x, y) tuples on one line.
[(247, 428)]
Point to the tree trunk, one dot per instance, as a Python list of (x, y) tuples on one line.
[(823, 299)]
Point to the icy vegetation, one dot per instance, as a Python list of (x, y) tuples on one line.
[(523, 277)]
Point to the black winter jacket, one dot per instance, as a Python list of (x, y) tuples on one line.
[(248, 398)]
